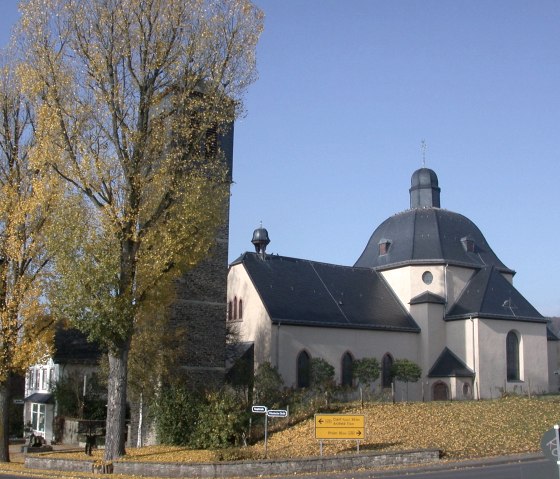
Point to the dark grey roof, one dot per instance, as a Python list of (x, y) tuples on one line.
[(428, 235), (427, 297), (43, 398), (302, 292), (553, 329), (72, 346), (488, 294), (448, 364)]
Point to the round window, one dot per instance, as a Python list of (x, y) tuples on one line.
[(427, 277)]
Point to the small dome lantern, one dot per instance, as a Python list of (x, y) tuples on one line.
[(260, 240)]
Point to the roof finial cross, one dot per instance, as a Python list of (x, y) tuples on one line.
[(423, 147)]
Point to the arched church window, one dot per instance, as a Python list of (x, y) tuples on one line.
[(235, 308), (346, 378), (386, 365), (240, 309), (303, 370), (512, 356), (229, 311)]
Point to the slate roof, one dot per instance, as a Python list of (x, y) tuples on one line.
[(488, 294), (428, 235), (72, 346), (553, 329), (307, 293), (448, 364), (427, 297)]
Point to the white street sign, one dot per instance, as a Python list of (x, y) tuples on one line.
[(277, 413), (259, 409)]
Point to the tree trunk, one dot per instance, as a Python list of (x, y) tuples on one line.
[(140, 420), (4, 420), (116, 404)]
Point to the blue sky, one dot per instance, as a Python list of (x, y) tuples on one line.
[(347, 91)]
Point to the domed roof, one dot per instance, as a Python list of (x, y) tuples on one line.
[(428, 234)]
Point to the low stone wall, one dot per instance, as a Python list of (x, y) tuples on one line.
[(51, 463), (244, 468)]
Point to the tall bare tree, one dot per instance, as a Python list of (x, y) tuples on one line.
[(27, 199), (131, 96)]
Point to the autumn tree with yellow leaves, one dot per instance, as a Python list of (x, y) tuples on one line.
[(27, 209), (131, 96)]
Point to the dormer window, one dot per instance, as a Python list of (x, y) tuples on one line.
[(384, 247), (468, 244)]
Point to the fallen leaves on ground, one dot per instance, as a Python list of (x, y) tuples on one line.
[(462, 429)]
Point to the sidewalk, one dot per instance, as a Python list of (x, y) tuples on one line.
[(16, 456)]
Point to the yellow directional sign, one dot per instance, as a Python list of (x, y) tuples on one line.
[(339, 426)]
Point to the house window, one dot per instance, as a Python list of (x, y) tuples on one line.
[(38, 417), (346, 376), (303, 370), (512, 356), (386, 365), (51, 378), (30, 376), (43, 379), (37, 379)]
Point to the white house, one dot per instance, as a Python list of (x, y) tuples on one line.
[(74, 356), (427, 287)]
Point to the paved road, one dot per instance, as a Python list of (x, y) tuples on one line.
[(538, 469)]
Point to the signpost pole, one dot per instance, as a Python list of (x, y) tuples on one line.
[(556, 426), (265, 435)]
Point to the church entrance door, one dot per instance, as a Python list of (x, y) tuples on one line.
[(440, 392)]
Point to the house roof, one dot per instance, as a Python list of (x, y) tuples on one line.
[(448, 364), (429, 235), (309, 293), (72, 346), (42, 398), (488, 294)]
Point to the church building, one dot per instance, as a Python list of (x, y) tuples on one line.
[(427, 288)]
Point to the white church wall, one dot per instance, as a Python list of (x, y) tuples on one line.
[(409, 281), (332, 343), (457, 279), (255, 325), (533, 360), (432, 336)]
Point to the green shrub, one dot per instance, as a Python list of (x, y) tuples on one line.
[(365, 371), (176, 413), (222, 421), (268, 386)]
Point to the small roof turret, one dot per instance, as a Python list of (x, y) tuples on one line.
[(260, 240), (424, 189)]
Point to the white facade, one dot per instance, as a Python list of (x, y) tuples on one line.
[(40, 410)]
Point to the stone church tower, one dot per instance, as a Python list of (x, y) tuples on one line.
[(199, 309), (200, 305)]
